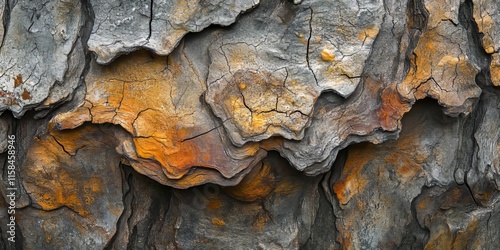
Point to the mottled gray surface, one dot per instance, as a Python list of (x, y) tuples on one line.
[(295, 54), (124, 26), (41, 54), (272, 124)]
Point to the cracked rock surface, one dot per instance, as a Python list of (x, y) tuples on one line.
[(242, 124)]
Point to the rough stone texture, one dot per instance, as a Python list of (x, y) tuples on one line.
[(41, 53), (486, 16), (124, 26), (273, 124)]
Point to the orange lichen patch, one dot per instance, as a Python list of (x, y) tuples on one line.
[(26, 95), (339, 72), (18, 80), (254, 186), (442, 71), (372, 32), (218, 221), (327, 55), (352, 181), (344, 238), (423, 203), (272, 143), (120, 91), (61, 187)]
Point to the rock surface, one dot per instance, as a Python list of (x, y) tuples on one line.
[(273, 124)]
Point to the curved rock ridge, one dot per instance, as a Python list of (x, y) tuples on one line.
[(124, 26), (277, 89), (304, 124), (266, 84), (170, 136), (41, 53), (486, 14), (441, 67)]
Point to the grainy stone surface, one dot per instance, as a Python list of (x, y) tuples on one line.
[(41, 54), (124, 26), (273, 124)]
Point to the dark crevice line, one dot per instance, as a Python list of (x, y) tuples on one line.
[(308, 43), (6, 21), (417, 22)]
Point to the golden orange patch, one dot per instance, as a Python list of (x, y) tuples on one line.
[(352, 181), (255, 185), (242, 86), (214, 204), (218, 221), (327, 55)]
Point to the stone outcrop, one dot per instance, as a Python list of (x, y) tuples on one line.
[(272, 124)]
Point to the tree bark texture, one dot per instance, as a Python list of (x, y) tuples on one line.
[(250, 124)]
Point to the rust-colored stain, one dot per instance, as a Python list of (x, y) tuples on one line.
[(167, 136), (214, 203), (392, 108), (61, 186), (18, 80), (26, 95)]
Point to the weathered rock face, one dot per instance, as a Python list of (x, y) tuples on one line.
[(250, 124)]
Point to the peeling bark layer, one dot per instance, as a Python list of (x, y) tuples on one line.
[(273, 124)]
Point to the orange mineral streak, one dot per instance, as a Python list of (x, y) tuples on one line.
[(255, 186), (61, 187), (391, 109), (441, 238), (352, 181), (152, 100)]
